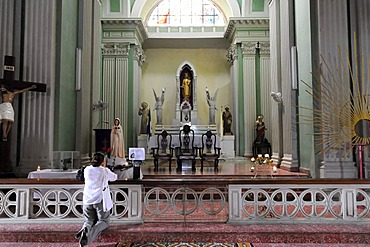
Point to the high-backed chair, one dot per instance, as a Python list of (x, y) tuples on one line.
[(164, 150), (186, 149), (209, 150)]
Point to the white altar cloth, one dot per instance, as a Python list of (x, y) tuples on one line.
[(49, 173)]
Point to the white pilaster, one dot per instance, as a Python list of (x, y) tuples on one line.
[(249, 79), (276, 118)]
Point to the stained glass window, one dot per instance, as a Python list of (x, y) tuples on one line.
[(186, 13)]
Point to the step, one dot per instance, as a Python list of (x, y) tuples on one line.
[(192, 232)]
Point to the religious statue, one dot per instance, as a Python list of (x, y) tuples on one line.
[(186, 86), (117, 143), (212, 106), (158, 105), (227, 119), (260, 129), (144, 113), (6, 108)]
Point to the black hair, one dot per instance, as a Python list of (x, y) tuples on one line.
[(98, 159)]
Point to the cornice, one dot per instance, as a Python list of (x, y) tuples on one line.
[(127, 23), (245, 23)]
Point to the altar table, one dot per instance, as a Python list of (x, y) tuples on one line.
[(49, 173)]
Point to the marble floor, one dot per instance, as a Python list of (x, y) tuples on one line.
[(237, 167)]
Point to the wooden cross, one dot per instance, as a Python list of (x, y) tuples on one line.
[(9, 82)]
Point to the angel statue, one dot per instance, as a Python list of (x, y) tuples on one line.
[(212, 105), (158, 105), (277, 97)]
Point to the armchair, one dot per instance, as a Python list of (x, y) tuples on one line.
[(209, 150), (186, 149), (164, 150)]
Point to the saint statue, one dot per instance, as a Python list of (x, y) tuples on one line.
[(212, 106), (6, 108), (158, 105), (227, 119), (144, 113), (260, 129), (186, 83), (117, 143)]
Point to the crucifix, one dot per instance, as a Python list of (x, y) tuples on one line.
[(9, 89)]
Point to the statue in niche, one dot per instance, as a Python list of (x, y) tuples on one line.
[(212, 106), (144, 113), (227, 119), (158, 105), (186, 86)]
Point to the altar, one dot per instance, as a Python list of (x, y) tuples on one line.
[(186, 113)]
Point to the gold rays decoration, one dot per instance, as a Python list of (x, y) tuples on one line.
[(342, 120)]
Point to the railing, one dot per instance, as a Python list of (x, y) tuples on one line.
[(234, 201)]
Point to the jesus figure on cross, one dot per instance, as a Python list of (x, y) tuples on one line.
[(6, 108)]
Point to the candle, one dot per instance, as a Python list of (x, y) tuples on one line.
[(253, 159), (252, 169), (38, 168), (274, 169)]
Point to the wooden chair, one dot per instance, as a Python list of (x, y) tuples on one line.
[(209, 150), (186, 149), (164, 150)]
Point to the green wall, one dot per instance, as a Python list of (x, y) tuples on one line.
[(258, 5), (115, 5), (65, 96)]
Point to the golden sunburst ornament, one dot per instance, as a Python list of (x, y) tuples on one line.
[(342, 120)]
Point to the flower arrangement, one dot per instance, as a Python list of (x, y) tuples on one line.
[(106, 151)]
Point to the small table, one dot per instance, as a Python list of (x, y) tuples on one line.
[(49, 173)]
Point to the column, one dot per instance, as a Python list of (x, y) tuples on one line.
[(276, 109), (289, 113), (37, 116), (232, 58), (249, 82), (115, 82)]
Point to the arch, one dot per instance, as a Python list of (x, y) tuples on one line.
[(142, 8)]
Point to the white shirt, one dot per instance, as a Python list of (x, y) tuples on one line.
[(94, 183)]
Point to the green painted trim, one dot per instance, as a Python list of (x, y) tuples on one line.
[(130, 98), (258, 5), (132, 2), (258, 83), (241, 101), (240, 3), (115, 5)]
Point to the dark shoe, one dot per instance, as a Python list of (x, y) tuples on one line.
[(78, 234), (83, 238)]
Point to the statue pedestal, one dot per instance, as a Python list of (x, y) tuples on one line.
[(142, 142), (227, 147)]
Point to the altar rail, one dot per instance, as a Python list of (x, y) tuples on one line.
[(226, 200)]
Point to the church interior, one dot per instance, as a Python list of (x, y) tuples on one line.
[(223, 97)]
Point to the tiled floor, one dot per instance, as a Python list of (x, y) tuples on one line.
[(227, 167)]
